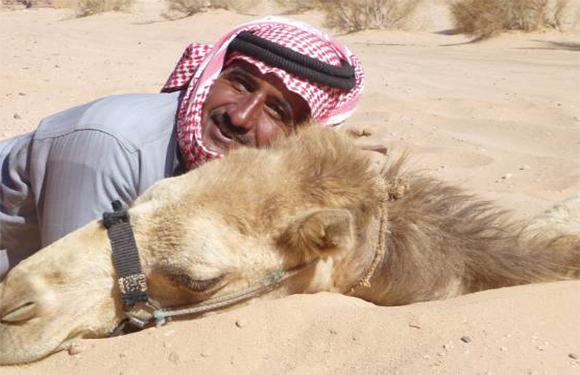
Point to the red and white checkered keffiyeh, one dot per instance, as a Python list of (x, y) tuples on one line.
[(201, 64)]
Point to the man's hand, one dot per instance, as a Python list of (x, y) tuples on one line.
[(375, 150)]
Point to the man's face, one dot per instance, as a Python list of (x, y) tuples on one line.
[(246, 107)]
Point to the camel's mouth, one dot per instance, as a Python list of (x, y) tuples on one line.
[(25, 342), (33, 323), (29, 332), (21, 342)]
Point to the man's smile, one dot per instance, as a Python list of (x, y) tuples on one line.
[(221, 129), (223, 132)]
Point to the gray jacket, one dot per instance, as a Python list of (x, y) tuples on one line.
[(67, 172)]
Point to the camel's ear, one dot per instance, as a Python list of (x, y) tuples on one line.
[(323, 231)]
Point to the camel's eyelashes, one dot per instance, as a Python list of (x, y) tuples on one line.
[(180, 277), (199, 286)]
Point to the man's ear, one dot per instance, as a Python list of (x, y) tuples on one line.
[(322, 231)]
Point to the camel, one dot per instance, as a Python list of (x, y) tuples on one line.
[(311, 206)]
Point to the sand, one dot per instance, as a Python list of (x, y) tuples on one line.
[(501, 118)]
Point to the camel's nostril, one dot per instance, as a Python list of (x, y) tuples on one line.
[(23, 312), (24, 297)]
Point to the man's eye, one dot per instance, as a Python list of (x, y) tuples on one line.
[(239, 84), (279, 113)]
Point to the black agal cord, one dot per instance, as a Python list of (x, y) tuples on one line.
[(294, 62)]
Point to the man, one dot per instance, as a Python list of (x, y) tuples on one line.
[(260, 81)]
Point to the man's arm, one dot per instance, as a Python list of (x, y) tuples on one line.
[(84, 172)]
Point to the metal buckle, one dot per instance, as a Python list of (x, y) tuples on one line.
[(142, 313)]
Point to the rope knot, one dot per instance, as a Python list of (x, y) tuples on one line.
[(397, 188)]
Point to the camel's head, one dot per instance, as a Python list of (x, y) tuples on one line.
[(215, 231)]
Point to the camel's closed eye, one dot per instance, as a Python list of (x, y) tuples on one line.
[(179, 277), (199, 286)]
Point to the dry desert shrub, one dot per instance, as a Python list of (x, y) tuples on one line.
[(239, 6), (184, 8), (355, 15), (297, 6), (90, 7), (486, 18)]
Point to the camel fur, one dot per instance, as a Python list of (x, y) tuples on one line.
[(315, 194)]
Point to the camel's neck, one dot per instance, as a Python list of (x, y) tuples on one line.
[(374, 245), (357, 268), (394, 280)]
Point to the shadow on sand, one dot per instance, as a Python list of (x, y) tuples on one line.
[(555, 46)]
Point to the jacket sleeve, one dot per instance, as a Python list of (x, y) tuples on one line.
[(84, 172)]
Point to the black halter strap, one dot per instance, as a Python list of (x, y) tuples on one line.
[(294, 62), (131, 278)]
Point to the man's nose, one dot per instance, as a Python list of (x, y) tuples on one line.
[(245, 113)]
